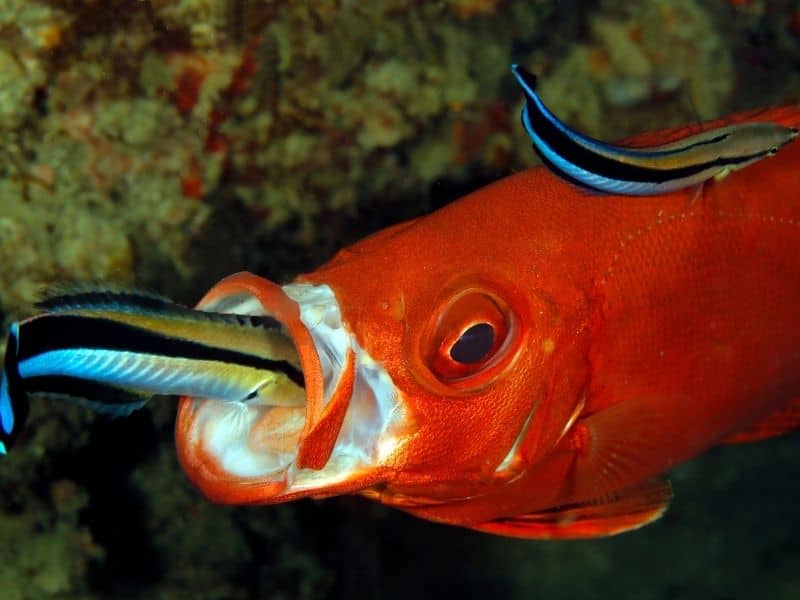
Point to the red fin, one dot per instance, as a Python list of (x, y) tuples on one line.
[(776, 423), (618, 447), (627, 510)]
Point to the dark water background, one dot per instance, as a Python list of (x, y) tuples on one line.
[(99, 509)]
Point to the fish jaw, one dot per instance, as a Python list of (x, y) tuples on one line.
[(339, 436)]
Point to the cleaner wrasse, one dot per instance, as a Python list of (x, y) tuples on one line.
[(644, 171), (112, 350), (529, 360)]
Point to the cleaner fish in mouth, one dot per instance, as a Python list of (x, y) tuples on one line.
[(112, 350)]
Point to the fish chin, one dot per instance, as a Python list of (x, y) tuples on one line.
[(337, 435)]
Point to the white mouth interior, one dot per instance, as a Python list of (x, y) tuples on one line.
[(254, 438), (258, 438)]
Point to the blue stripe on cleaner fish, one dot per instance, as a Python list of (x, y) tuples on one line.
[(113, 350), (13, 406), (603, 167)]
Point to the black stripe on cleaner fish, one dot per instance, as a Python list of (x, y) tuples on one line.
[(603, 167), (112, 350)]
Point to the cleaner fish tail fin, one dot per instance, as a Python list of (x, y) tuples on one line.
[(13, 398)]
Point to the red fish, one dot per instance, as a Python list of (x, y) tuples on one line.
[(530, 360)]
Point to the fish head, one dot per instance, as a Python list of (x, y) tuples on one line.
[(423, 366)]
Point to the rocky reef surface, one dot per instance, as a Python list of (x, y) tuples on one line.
[(137, 139)]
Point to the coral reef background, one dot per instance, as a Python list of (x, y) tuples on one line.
[(163, 144)]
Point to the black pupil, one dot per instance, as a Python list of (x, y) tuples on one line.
[(473, 345)]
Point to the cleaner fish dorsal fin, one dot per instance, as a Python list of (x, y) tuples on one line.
[(82, 297), (86, 296)]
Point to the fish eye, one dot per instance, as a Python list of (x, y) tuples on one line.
[(468, 339), (474, 344)]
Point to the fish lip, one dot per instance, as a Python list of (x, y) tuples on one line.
[(335, 452), (245, 293)]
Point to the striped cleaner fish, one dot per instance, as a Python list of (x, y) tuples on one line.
[(112, 350), (644, 171)]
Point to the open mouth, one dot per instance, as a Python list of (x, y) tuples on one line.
[(340, 428)]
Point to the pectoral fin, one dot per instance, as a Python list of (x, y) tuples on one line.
[(625, 511)]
